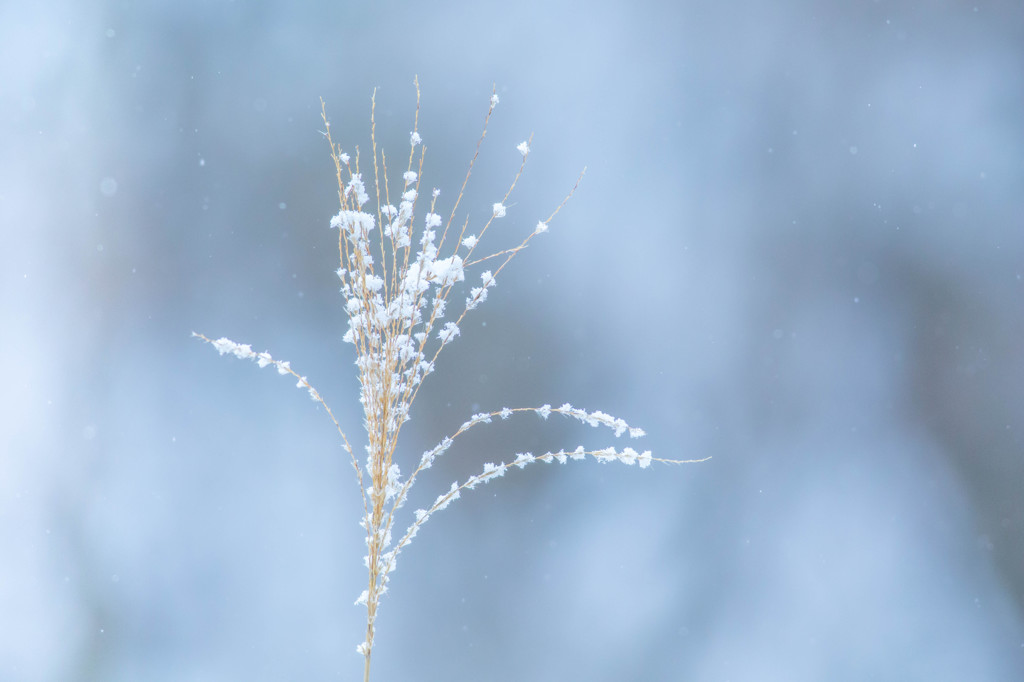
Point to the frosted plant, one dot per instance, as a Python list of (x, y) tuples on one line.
[(397, 281)]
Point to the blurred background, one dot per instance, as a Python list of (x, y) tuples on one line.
[(798, 249)]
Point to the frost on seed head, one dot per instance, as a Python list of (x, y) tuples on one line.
[(400, 275)]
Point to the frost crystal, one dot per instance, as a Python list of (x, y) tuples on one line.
[(499, 210), (523, 458), (356, 188), (523, 148), (450, 331), (448, 271)]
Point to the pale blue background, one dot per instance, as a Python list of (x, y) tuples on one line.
[(798, 249)]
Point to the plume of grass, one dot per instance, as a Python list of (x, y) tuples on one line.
[(397, 285)]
